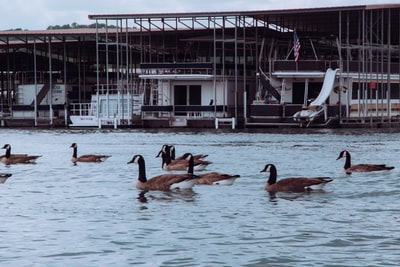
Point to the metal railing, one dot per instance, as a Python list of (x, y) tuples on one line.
[(81, 109)]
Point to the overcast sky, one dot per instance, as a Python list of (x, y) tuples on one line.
[(39, 14)]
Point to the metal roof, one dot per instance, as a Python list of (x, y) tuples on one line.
[(241, 13), (319, 24), (322, 20)]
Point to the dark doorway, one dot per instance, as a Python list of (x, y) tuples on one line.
[(180, 98), (195, 95), (298, 92), (181, 93)]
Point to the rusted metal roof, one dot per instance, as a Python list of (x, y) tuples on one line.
[(63, 32)]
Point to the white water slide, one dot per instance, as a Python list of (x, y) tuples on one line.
[(317, 107), (327, 87)]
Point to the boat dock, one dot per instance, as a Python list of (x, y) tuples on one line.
[(240, 69)]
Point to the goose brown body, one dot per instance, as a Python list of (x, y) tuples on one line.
[(292, 184), (216, 178), (180, 164), (171, 150), (86, 158), (164, 182), (348, 168), (9, 158)]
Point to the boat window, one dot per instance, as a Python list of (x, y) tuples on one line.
[(109, 109)]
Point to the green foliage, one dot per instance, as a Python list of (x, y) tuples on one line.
[(75, 25)]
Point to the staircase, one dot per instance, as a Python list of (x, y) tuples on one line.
[(42, 94)]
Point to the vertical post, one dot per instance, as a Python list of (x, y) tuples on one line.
[(65, 85), (107, 74), (236, 60), (97, 76), (305, 101), (35, 78), (214, 71), (245, 107), (98, 106), (50, 84), (389, 70), (129, 83), (119, 83)]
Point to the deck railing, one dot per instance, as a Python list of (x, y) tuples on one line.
[(188, 111), (80, 109)]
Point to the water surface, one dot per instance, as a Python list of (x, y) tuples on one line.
[(57, 214)]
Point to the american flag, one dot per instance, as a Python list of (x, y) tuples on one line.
[(296, 46)]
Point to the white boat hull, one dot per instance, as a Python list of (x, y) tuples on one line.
[(307, 114), (84, 121)]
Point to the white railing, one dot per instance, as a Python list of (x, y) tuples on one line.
[(81, 109)]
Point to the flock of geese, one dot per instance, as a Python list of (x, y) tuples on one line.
[(181, 171)]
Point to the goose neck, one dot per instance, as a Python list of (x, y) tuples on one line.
[(8, 152), (191, 165), (142, 171), (166, 159), (347, 163), (272, 175), (75, 152)]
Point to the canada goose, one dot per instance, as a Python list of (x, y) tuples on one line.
[(348, 168), (9, 158), (171, 150), (164, 182), (298, 184), (4, 177), (180, 164), (216, 178), (86, 158)]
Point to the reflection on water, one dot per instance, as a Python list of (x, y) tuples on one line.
[(168, 196), (57, 214), (274, 196)]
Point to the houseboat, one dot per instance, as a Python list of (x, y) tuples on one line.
[(299, 98), (111, 106), (189, 95), (41, 104)]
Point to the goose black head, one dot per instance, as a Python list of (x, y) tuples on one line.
[(187, 156), (343, 154), (272, 173), (269, 168), (6, 146), (135, 159)]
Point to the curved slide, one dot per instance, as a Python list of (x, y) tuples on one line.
[(316, 107), (327, 87)]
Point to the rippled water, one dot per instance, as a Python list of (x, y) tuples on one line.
[(57, 214)]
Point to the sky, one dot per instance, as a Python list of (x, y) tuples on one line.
[(39, 14)]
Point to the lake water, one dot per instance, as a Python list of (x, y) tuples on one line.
[(57, 214)]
